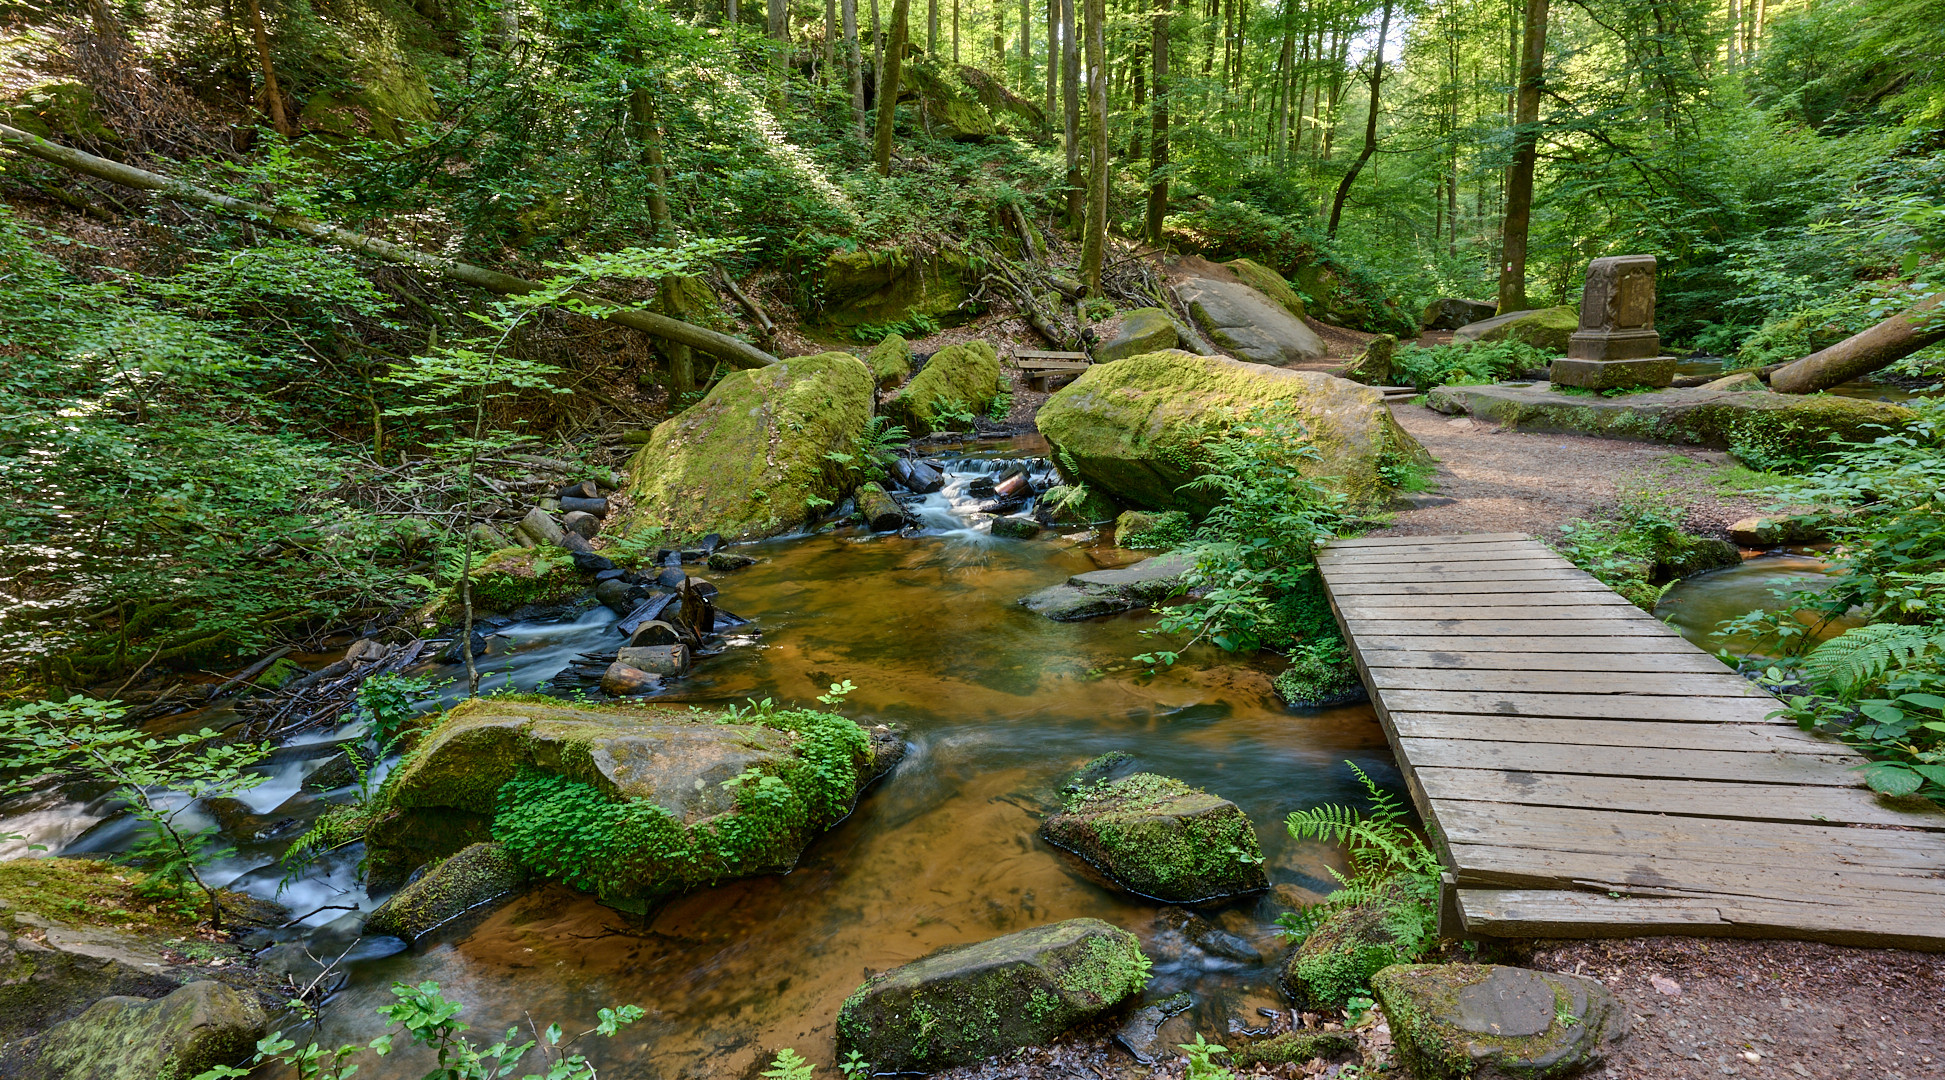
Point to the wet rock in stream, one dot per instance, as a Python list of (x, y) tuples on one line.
[(474, 877), (192, 1029), (1109, 592), (1158, 837), (1141, 1034)]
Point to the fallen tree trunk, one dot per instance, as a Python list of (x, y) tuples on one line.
[(1892, 340), (737, 353)]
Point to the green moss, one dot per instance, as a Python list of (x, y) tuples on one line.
[(1269, 283), (1418, 997), (477, 874), (90, 892), (1293, 1048), (1151, 530), (59, 108), (1543, 328), (964, 378), (880, 287), (1160, 837), (890, 360), (951, 111), (749, 460)]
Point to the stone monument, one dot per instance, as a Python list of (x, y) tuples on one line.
[(1616, 346)]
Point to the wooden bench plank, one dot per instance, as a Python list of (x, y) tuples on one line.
[(1409, 575), (1426, 541), (1915, 892), (1579, 914), (1694, 798), (1666, 645), (1470, 557), (1578, 585), (1559, 628), (1442, 614), (1375, 606)]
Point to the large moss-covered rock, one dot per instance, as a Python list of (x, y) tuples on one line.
[(477, 875), (515, 577), (1063, 506), (890, 361), (969, 1002), (1270, 284), (1491, 1022), (57, 108), (1542, 328), (42, 982), (1353, 943), (1249, 323), (889, 285), (1761, 429), (1006, 107), (1133, 428), (964, 378), (629, 802), (193, 1029), (951, 109), (1143, 330), (748, 460), (1159, 837)]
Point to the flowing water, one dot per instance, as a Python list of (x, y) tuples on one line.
[(1698, 606), (1000, 706)]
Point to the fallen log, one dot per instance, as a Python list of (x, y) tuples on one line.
[(737, 353), (1882, 345)]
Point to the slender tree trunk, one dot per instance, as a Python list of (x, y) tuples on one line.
[(1340, 44), (1519, 176), (1070, 92), (1158, 131), (1285, 78), (877, 55), (779, 29), (830, 43), (272, 93), (1209, 42), (1370, 122), (999, 40), (648, 131), (854, 64), (955, 32), (731, 14), (1094, 238), (888, 84), (1026, 46), (1140, 67), (1053, 61), (932, 29)]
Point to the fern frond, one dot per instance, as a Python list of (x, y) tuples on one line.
[(1864, 656)]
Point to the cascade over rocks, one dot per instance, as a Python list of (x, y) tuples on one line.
[(1249, 323), (969, 1002), (629, 802), (747, 460), (1158, 837), (1132, 428)]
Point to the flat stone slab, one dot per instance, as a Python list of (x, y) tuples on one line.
[(1747, 423), (1108, 592), (1248, 323), (1474, 1021), (1650, 371)]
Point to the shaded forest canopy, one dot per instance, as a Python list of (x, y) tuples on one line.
[(222, 437)]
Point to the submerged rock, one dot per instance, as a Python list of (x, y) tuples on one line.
[(1477, 1022), (1158, 837), (629, 802), (748, 460), (192, 1029), (1248, 323), (1141, 1033), (961, 378), (477, 875), (969, 1002), (1133, 429), (1016, 528), (1208, 937), (1542, 328), (1143, 331), (1108, 592)]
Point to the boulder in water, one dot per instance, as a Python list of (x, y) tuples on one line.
[(1109, 592), (1454, 1021), (1016, 528), (477, 875), (748, 460), (630, 802), (969, 1002), (881, 512), (1158, 837), (192, 1029), (962, 378), (1542, 328), (516, 577), (1248, 323), (1143, 330), (1133, 429), (1339, 957)]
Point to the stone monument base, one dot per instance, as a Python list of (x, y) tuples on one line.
[(1653, 371)]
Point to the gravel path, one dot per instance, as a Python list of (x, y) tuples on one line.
[(1491, 479)]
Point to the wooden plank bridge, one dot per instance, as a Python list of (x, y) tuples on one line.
[(1590, 773)]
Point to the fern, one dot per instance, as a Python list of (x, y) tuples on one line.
[(1865, 656), (1384, 852)]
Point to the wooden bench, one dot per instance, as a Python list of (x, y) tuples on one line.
[(1044, 369)]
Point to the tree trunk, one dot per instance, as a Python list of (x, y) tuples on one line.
[(854, 64), (888, 79), (1886, 343), (272, 93), (877, 54), (779, 30), (737, 353), (648, 131), (932, 29), (1526, 149), (1094, 238), (1070, 93), (1370, 122), (731, 15), (1158, 133), (830, 42), (1053, 61), (1286, 77), (1140, 100), (1026, 46)]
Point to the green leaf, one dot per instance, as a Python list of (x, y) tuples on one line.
[(1888, 778)]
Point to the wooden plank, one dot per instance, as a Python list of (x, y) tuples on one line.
[(1767, 846), (1461, 644), (1766, 767), (1454, 558), (1615, 706), (1716, 684), (1419, 604), (1578, 585), (1043, 354), (1567, 914), (1559, 660), (1432, 612), (1411, 575), (1749, 738), (1492, 570), (1052, 365), (1557, 628), (1421, 541), (1695, 798), (1915, 892)]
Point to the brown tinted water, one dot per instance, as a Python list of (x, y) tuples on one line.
[(1000, 705), (1698, 606)]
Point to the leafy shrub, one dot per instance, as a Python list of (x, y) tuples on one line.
[(1464, 364)]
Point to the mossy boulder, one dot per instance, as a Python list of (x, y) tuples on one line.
[(58, 108), (1487, 1022), (1133, 429), (1248, 323), (1760, 429), (889, 285), (1542, 328), (1152, 529), (1373, 366), (1293, 1048), (1270, 284), (1027, 116), (959, 378), (950, 109), (1352, 944), (629, 802), (970, 1002), (477, 875), (1109, 592), (45, 982), (1142, 331), (748, 460), (1158, 837), (890, 361), (1059, 507), (512, 578), (191, 1030)]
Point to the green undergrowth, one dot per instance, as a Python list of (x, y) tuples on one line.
[(1639, 548), (1464, 363)]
